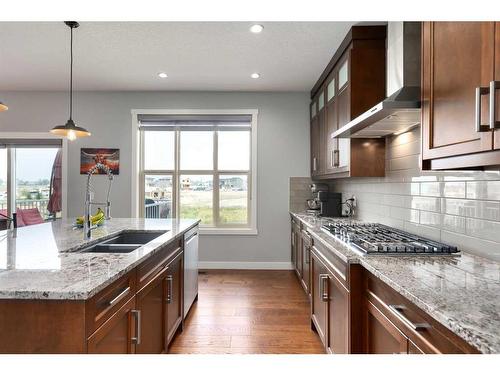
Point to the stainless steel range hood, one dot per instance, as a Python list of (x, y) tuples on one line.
[(401, 110)]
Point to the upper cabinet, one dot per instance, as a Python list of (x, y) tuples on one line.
[(352, 83), (460, 104)]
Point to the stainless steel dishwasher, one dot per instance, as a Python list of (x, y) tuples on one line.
[(191, 239)]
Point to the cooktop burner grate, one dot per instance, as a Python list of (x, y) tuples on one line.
[(372, 238)]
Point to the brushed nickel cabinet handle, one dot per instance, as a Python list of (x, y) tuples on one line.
[(308, 255), (323, 290), (332, 158), (398, 311), (314, 164), (479, 92), (137, 315), (293, 239), (494, 86), (170, 281), (119, 296), (336, 155)]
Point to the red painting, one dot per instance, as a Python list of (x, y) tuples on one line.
[(89, 157)]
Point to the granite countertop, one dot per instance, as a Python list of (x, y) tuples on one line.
[(462, 293), (42, 261)]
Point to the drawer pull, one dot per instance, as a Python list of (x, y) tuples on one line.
[(336, 162), (479, 92), (122, 294), (398, 311), (494, 86), (323, 290), (137, 339), (170, 281)]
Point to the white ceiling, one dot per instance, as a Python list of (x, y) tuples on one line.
[(290, 56)]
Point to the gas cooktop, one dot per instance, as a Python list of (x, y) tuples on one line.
[(369, 238)]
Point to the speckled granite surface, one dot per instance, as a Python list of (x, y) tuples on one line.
[(462, 293), (43, 262)]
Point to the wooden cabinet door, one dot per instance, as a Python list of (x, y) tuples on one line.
[(319, 285), (344, 114), (151, 303), (331, 119), (173, 286), (382, 337), (343, 92), (298, 254), (117, 334), (457, 58), (306, 264), (338, 317), (321, 134), (414, 349), (315, 131), (496, 143)]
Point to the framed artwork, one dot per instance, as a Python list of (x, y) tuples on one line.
[(89, 157)]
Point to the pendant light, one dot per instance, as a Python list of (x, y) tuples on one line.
[(3, 107), (70, 130)]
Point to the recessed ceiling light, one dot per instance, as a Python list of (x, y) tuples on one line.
[(256, 29), (255, 75), (162, 75)]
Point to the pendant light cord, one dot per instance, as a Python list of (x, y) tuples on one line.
[(71, 77)]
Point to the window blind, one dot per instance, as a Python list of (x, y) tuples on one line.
[(195, 122), (30, 143)]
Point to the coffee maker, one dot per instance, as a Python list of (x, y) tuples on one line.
[(323, 202)]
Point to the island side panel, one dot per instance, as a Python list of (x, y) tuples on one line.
[(39, 326)]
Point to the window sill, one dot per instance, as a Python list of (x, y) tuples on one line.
[(229, 231)]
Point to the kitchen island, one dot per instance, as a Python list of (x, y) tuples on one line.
[(56, 298)]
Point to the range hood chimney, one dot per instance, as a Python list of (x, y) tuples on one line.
[(400, 111)]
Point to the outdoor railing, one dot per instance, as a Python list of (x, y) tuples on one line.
[(22, 204), (156, 210)]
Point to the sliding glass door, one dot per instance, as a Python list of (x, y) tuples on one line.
[(30, 180)]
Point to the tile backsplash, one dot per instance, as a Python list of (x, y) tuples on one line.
[(461, 208), (299, 193)]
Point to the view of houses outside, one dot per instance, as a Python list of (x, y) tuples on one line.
[(196, 197), (33, 172)]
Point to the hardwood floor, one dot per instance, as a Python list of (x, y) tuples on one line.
[(244, 312)]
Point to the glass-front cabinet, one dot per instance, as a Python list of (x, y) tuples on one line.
[(352, 83)]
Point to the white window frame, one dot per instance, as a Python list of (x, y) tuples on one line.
[(64, 166), (137, 184)]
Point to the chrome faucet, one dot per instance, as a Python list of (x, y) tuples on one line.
[(87, 225)]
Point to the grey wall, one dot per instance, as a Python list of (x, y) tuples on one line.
[(283, 151), (457, 207)]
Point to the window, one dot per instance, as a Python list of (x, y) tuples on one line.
[(198, 167), (31, 179)]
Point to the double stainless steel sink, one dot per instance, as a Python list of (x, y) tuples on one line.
[(123, 243)]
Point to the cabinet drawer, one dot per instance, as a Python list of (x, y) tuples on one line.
[(147, 270), (422, 330), (105, 303), (337, 266)]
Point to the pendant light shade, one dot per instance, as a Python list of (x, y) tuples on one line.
[(70, 130), (3, 107)]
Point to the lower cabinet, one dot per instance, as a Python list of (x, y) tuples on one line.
[(338, 317), (296, 248), (147, 323), (330, 305), (173, 286), (305, 257), (319, 306), (119, 334), (353, 311), (382, 336), (151, 304), (392, 324)]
